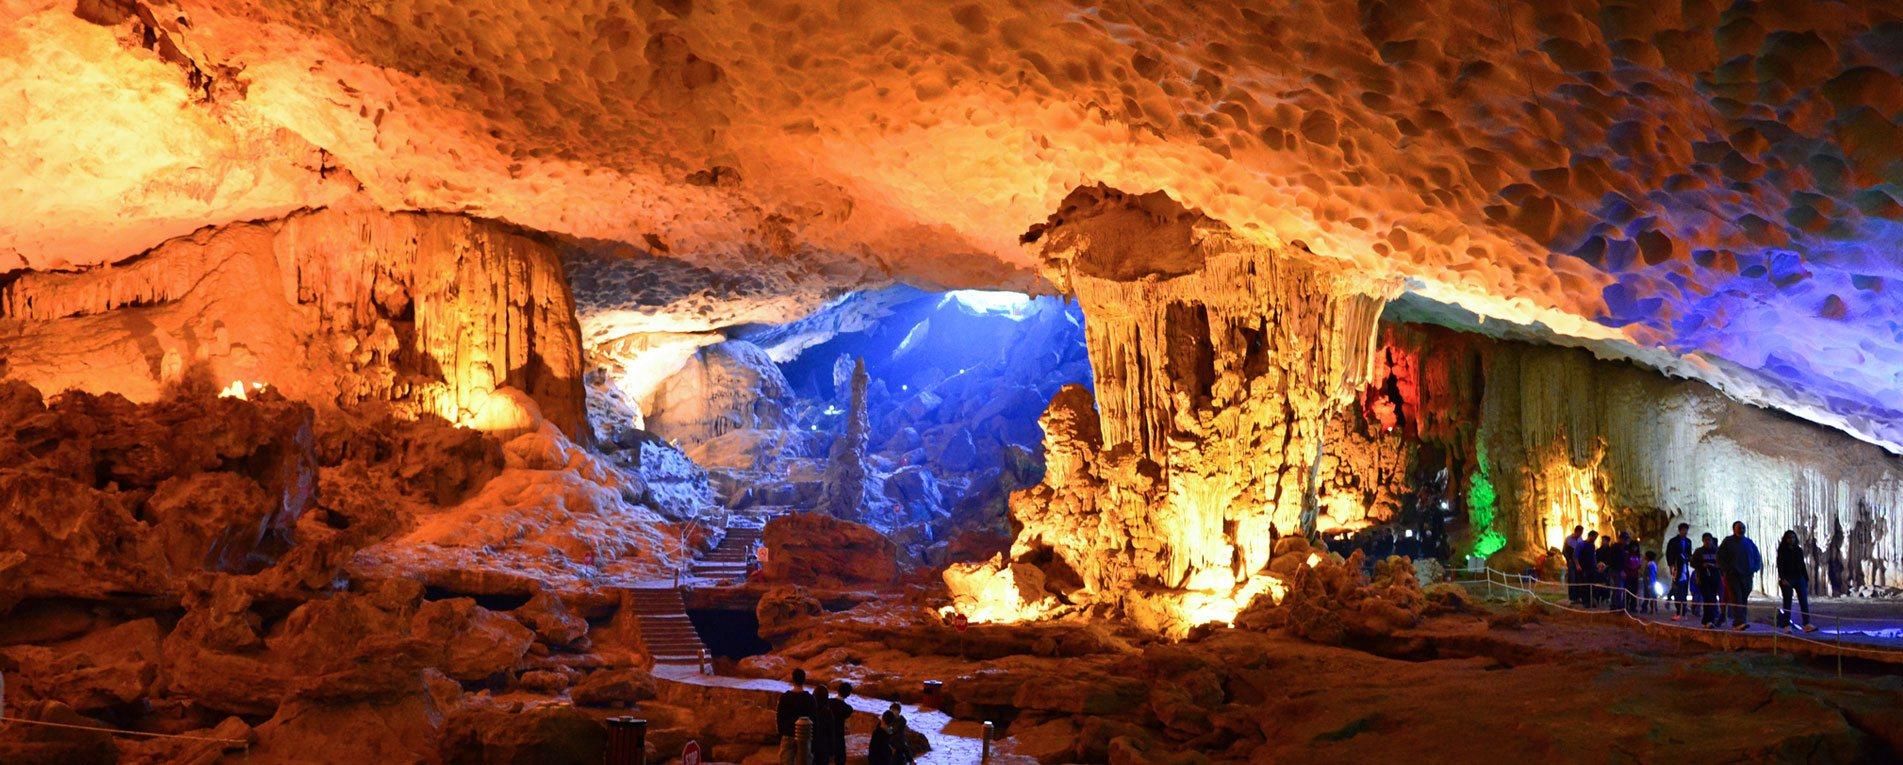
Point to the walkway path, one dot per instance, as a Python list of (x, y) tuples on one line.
[(954, 742), (728, 560)]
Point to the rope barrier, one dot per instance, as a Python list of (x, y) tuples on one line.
[(117, 732), (1505, 582)]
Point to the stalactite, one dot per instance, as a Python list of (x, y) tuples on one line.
[(1217, 360), (435, 313)]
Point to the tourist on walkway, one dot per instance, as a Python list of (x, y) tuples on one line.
[(1792, 575), (1589, 570), (1678, 558), (842, 711), (1570, 548), (901, 742), (1631, 570), (1739, 558), (1650, 605), (823, 712), (795, 703), (879, 750), (1707, 574), (1612, 560)]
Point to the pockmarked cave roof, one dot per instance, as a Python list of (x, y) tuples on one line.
[(1711, 187)]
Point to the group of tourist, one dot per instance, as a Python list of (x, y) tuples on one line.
[(1623, 575), (829, 713)]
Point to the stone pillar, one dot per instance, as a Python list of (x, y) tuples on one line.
[(1217, 359)]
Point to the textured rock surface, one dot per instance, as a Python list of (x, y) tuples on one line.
[(442, 314), (820, 551), (1710, 177), (1090, 692), (1217, 364)]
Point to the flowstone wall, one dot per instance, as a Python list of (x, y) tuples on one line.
[(1573, 440), (468, 319)]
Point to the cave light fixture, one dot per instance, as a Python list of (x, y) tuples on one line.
[(240, 389)]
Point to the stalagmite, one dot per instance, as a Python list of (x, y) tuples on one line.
[(844, 491), (1217, 361)]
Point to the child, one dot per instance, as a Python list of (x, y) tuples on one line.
[(1651, 602)]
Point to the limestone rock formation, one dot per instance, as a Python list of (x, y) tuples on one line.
[(440, 314), (1218, 362), (820, 551), (845, 491), (103, 496), (723, 387)]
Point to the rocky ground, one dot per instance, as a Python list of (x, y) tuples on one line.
[(300, 586), (1350, 670), (331, 585)]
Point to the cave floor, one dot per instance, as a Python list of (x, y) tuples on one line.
[(1493, 683), (954, 742)]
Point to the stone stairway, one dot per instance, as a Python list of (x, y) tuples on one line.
[(728, 560), (665, 627), (669, 635)]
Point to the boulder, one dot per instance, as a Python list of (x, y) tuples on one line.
[(782, 609), (613, 688), (552, 620), (538, 735), (475, 642), (824, 552), (113, 666)]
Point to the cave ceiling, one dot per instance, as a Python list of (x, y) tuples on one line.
[(1711, 187)]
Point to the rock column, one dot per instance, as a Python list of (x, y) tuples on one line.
[(1217, 359)]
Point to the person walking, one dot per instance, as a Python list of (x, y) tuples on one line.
[(823, 711), (1707, 575), (1678, 558), (1739, 558), (1792, 575), (795, 703)]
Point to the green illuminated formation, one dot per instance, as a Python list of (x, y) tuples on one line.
[(1481, 508)]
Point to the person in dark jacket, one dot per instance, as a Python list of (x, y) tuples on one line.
[(1793, 575), (1707, 576), (879, 750), (795, 703), (1612, 562), (1570, 548), (1631, 565), (1739, 558), (823, 711), (842, 712), (1588, 569), (1678, 558)]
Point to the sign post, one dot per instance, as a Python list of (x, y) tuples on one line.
[(690, 754)]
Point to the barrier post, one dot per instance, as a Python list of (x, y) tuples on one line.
[(627, 741), (984, 753), (803, 741)]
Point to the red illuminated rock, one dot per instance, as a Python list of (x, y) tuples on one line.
[(819, 551)]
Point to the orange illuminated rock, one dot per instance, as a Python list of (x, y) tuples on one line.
[(1217, 364)]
